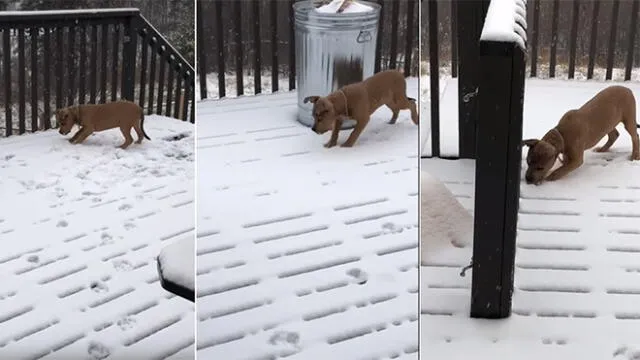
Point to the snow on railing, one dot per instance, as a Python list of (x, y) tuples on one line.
[(506, 22)]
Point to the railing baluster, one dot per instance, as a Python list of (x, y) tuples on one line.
[(408, 48), (94, 64), (179, 102), (21, 83), (535, 34), (237, 10), (104, 31), (170, 99), (47, 79), (393, 56), (143, 66), (222, 88), (202, 54), (554, 39), (378, 60), (574, 37), (612, 39), (59, 58), (632, 41), (71, 66), (292, 46), (129, 54), (257, 56), (83, 64), (594, 37), (163, 60), (275, 72), (6, 49), (114, 66), (34, 32), (152, 72), (187, 94)]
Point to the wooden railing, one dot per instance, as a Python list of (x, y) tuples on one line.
[(53, 59)]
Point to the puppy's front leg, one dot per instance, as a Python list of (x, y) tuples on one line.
[(569, 164), (75, 136), (82, 135), (334, 133), (360, 125)]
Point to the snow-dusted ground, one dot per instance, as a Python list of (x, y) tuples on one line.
[(578, 249), (305, 252), (80, 229)]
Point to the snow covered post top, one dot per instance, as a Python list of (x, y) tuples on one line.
[(506, 22)]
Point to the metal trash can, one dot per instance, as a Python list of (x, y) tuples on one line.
[(332, 50)]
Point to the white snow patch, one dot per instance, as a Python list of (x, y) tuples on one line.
[(442, 218), (506, 22), (177, 263), (81, 228), (334, 5)]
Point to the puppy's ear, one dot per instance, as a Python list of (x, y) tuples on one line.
[(530, 142), (313, 99)]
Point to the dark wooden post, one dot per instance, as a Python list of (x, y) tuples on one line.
[(497, 189), (129, 51), (202, 57), (434, 71), (470, 18)]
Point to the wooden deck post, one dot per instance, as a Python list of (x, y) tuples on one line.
[(497, 187), (470, 19)]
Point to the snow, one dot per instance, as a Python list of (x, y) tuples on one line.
[(576, 278), (80, 231), (444, 219), (506, 22), (177, 263), (334, 5), (314, 252)]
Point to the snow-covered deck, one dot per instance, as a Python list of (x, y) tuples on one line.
[(303, 251), (577, 277), (80, 228)]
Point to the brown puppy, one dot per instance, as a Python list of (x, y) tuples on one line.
[(91, 118), (581, 129), (358, 101)]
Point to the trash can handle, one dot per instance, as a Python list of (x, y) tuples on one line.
[(364, 36)]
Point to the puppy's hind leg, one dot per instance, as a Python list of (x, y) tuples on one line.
[(406, 103), (613, 136), (395, 112), (139, 132), (126, 132)]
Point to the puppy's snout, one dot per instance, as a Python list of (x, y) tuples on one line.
[(313, 128), (528, 178)]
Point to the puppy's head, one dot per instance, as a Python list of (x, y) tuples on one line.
[(540, 159), (65, 120), (324, 114)]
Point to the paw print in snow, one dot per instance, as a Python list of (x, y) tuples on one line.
[(625, 353), (62, 223), (98, 351), (99, 287), (126, 323), (358, 275), (286, 339), (124, 207), (106, 239), (129, 225), (33, 259), (391, 228), (122, 265)]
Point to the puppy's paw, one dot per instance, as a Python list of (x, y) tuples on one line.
[(347, 145), (330, 144), (72, 141), (553, 177), (634, 157)]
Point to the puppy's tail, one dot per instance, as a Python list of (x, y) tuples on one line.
[(142, 126)]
